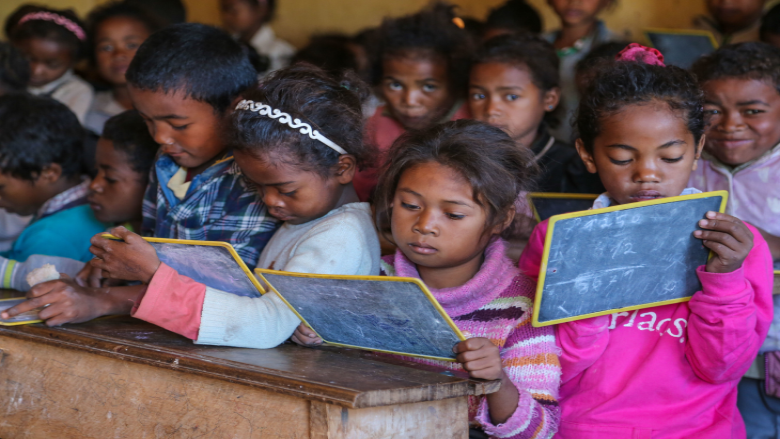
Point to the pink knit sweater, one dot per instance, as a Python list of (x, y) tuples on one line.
[(497, 304)]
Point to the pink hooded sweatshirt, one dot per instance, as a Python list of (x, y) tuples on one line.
[(664, 372)]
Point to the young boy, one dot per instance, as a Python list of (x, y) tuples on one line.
[(40, 162), (248, 21), (742, 97), (732, 21)]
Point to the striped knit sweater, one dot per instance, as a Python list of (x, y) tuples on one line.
[(497, 304)]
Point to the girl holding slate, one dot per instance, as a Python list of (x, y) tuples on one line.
[(669, 371), (445, 197)]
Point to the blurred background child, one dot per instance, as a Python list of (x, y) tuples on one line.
[(249, 21), (514, 16), (770, 27), (732, 21)]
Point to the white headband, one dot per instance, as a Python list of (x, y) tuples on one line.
[(285, 118)]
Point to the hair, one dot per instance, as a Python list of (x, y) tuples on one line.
[(168, 12), (515, 15), (635, 83), (120, 9), (758, 61), (129, 134), (770, 22), (485, 156), (202, 61), (261, 63), (600, 55), (14, 69), (36, 132), (431, 31), (330, 52), (305, 92), (50, 30), (13, 18)]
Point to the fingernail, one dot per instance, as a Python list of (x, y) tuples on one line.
[(703, 223), (711, 214), (697, 233)]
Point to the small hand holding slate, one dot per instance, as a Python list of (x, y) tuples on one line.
[(728, 238), (131, 259), (304, 336), (65, 301)]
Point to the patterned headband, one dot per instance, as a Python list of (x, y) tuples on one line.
[(58, 19), (284, 118)]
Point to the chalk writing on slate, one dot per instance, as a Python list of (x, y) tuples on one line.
[(547, 205), (383, 315), (213, 266), (633, 257), (681, 48)]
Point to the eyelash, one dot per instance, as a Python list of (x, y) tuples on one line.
[(455, 216), (288, 194), (180, 128), (675, 160)]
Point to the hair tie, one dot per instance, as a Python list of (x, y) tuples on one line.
[(58, 19), (639, 53), (284, 118)]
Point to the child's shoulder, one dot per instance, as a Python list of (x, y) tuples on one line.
[(348, 216)]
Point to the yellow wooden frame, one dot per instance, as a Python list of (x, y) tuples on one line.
[(548, 241), (24, 322), (260, 271), (531, 195), (688, 32), (224, 245)]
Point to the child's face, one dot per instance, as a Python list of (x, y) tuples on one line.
[(505, 96), (416, 89), (578, 12), (435, 221), (291, 193), (744, 119), (49, 59), (644, 152), (117, 192), (239, 16), (116, 41), (25, 197), (735, 14), (187, 130)]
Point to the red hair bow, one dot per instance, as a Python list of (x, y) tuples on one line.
[(639, 53)]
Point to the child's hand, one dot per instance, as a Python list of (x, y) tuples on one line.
[(130, 259), (727, 237), (480, 358), (68, 302), (304, 336)]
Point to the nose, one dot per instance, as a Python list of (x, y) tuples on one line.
[(730, 122), (97, 184), (426, 223), (412, 97), (37, 70), (160, 134), (647, 171), (271, 198), (493, 108)]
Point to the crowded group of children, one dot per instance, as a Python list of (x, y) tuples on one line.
[(411, 156)]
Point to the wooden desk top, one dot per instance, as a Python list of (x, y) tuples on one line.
[(345, 377)]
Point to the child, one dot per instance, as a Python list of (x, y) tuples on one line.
[(742, 155), (40, 156), (669, 371), (770, 27), (421, 70), (54, 41), (116, 31), (580, 31), (514, 86), (14, 70), (248, 21), (512, 17), (734, 21), (444, 198)]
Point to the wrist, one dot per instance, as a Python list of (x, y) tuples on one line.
[(150, 274)]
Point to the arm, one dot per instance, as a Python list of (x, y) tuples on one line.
[(16, 278), (582, 342)]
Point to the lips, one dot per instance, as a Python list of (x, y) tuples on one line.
[(732, 143), (646, 195), (94, 205), (422, 248)]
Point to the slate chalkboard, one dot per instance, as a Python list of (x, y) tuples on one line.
[(369, 312), (210, 263), (681, 47), (546, 205), (622, 258)]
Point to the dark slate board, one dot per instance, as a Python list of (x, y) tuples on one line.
[(213, 266), (370, 314), (681, 50), (631, 257), (547, 207)]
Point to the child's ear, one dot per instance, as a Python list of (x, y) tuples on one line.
[(586, 157), (507, 221), (551, 99), (50, 173), (697, 152), (345, 168)]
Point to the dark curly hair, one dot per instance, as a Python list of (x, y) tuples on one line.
[(50, 30), (515, 15), (14, 69), (485, 156), (36, 132), (753, 60), (308, 93), (430, 31), (129, 134), (634, 83)]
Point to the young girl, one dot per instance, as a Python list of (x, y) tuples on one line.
[(669, 371), (248, 20), (116, 30), (580, 31), (54, 41), (444, 198), (514, 86), (421, 71)]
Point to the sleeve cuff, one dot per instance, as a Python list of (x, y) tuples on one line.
[(523, 418), (722, 287)]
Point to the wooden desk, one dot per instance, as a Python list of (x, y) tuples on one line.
[(123, 378)]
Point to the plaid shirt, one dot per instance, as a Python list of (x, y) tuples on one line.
[(219, 206)]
